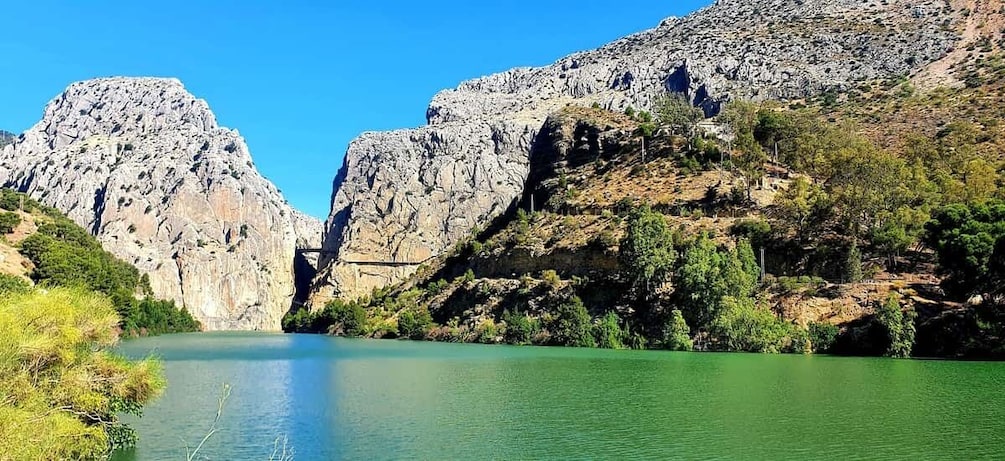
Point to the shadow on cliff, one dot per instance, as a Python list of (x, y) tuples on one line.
[(304, 271)]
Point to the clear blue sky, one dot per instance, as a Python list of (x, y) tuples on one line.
[(299, 79)]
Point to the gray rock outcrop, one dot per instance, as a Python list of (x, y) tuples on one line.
[(403, 196), (143, 164)]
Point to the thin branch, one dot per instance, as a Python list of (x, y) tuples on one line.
[(225, 394)]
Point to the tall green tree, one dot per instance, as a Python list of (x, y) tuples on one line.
[(742, 325), (802, 207), (676, 333), (705, 273), (571, 326), (898, 325), (647, 251), (964, 237)]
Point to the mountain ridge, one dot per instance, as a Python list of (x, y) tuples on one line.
[(143, 165), (386, 203)]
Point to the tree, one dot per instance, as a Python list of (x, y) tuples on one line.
[(748, 262), (676, 333), (866, 186), (964, 237), (853, 264), (9, 221), (414, 324), (520, 328), (803, 206), (647, 252), (570, 325), (822, 336), (675, 111), (897, 231), (898, 326), (705, 274), (741, 116), (342, 318), (741, 325), (608, 333), (777, 131)]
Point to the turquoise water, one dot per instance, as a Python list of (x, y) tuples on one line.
[(336, 398)]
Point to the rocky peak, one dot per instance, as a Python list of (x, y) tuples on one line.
[(143, 164), (408, 194)]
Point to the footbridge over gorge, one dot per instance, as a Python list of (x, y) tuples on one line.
[(323, 252)]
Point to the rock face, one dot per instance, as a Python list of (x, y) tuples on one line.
[(406, 195), (6, 137), (143, 164)]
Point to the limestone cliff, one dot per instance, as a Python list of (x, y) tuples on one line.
[(403, 196), (144, 165)]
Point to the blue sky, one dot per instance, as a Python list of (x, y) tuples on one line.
[(299, 79)]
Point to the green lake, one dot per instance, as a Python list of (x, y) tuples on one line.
[(336, 398)]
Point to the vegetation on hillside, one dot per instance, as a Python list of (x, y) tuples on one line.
[(61, 389), (870, 244), (64, 254)]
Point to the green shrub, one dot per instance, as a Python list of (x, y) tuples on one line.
[(68, 387), (607, 332), (12, 284), (570, 325), (156, 317), (299, 321), (743, 326), (487, 332), (898, 325), (414, 324), (519, 327), (341, 318), (8, 222), (676, 333), (822, 336)]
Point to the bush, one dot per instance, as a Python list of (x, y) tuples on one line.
[(487, 332), (64, 388), (551, 278), (414, 324), (676, 333), (12, 284), (341, 318), (570, 325), (822, 336), (299, 321), (519, 328), (607, 332), (156, 317), (8, 222), (898, 325), (757, 231), (743, 326)]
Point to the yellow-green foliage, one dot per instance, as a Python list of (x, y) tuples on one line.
[(60, 387)]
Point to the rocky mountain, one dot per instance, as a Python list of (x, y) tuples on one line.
[(405, 195), (143, 165)]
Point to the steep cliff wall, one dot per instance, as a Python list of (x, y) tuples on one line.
[(406, 195), (143, 164)]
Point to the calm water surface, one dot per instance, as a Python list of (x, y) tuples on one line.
[(356, 399)]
